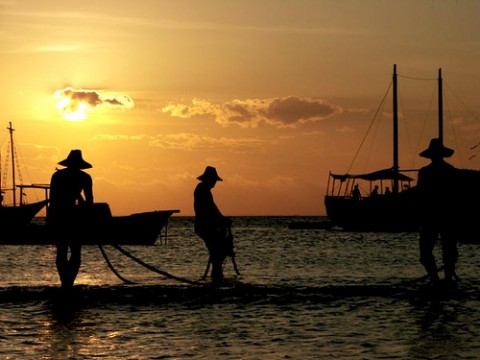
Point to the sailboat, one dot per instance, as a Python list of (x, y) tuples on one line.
[(17, 215), (393, 208), (397, 210)]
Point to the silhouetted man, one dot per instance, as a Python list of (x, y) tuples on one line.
[(436, 186), (67, 213), (356, 192), (210, 224)]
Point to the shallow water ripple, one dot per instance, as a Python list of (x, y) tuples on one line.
[(303, 294)]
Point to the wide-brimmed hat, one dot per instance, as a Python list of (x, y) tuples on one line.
[(210, 173), (436, 150), (75, 160)]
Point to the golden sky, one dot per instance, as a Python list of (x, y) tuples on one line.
[(274, 94)]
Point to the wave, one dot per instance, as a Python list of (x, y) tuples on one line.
[(233, 292)]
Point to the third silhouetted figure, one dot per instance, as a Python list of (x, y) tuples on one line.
[(436, 186)]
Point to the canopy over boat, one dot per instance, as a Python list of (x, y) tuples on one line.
[(384, 174)]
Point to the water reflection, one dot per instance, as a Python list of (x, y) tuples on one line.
[(64, 329), (440, 329)]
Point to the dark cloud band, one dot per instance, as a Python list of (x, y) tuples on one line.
[(279, 112)]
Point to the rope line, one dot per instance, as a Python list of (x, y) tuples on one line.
[(154, 269), (117, 274), (416, 78), (191, 282)]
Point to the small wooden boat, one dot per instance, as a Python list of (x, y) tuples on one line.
[(136, 229), (20, 226)]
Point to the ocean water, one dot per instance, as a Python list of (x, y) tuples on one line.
[(302, 294)]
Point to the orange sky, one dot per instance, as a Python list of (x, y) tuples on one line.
[(274, 94)]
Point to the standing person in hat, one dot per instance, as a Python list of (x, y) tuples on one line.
[(436, 186), (66, 213), (210, 224)]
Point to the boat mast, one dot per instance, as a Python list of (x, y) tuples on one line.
[(14, 190), (395, 131), (440, 106)]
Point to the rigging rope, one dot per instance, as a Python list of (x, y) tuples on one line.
[(5, 169), (415, 78), (370, 126), (380, 107)]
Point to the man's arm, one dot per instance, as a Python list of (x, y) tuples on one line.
[(88, 189)]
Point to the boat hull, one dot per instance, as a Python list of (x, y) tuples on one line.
[(135, 229), (13, 217), (380, 214), (401, 213)]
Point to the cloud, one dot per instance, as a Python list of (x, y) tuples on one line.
[(292, 110), (30, 49), (278, 112), (189, 142), (119, 137), (192, 142), (345, 129), (71, 100), (197, 108)]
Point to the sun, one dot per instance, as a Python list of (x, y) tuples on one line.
[(78, 104), (70, 108), (72, 112)]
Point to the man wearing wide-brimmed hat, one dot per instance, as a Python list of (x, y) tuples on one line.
[(436, 183), (210, 224), (69, 188)]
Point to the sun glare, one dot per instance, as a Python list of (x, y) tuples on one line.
[(79, 112), (76, 104), (78, 115), (71, 109)]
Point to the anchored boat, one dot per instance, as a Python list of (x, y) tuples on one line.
[(390, 211), (393, 207)]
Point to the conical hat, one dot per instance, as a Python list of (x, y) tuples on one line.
[(75, 160), (210, 173), (436, 150)]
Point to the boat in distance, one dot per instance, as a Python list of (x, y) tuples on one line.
[(19, 213), (312, 224)]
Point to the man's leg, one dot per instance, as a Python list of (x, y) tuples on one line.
[(217, 266), (428, 238), (74, 261), (449, 254), (62, 263)]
